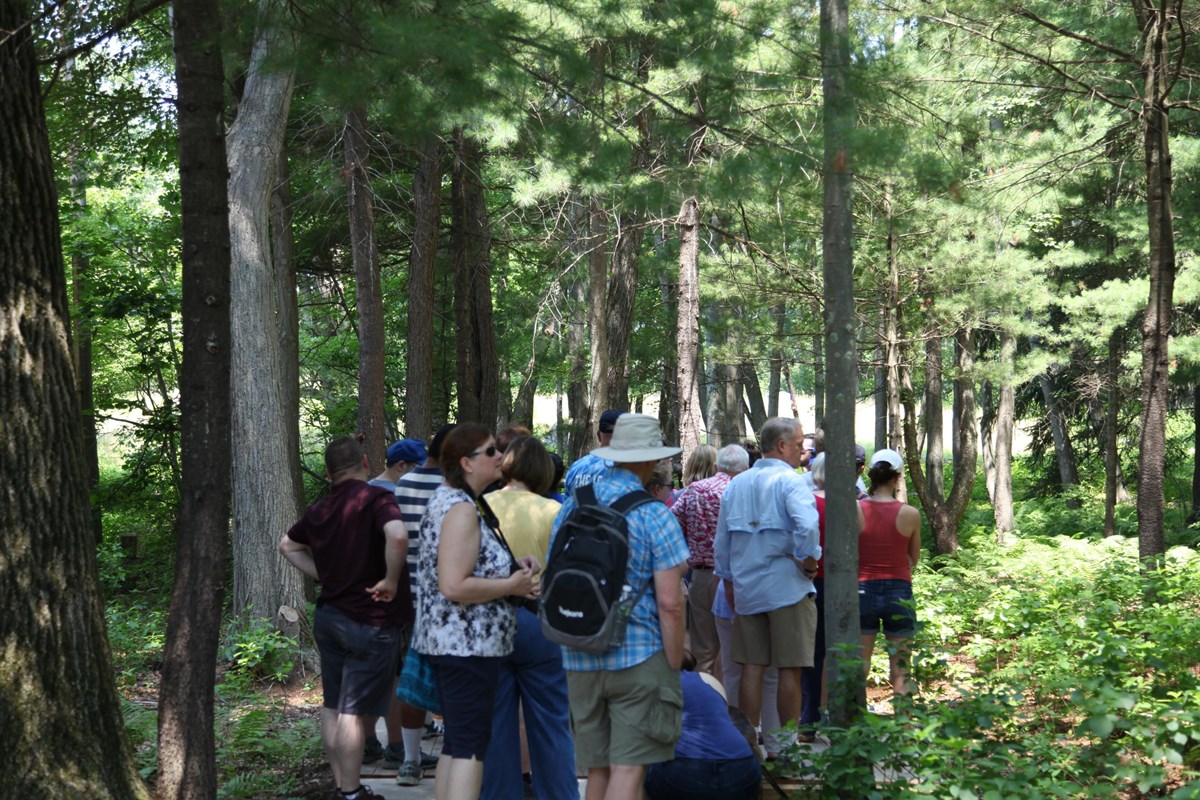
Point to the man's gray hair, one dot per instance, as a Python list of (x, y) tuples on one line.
[(733, 459), (775, 429)]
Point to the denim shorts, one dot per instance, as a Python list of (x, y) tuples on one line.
[(886, 604)]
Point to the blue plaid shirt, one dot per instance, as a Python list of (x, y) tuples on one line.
[(655, 543)]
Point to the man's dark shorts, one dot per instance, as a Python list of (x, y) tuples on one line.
[(358, 662)]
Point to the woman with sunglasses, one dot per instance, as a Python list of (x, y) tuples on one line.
[(465, 621)]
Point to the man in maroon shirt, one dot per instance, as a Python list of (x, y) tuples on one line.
[(354, 543)]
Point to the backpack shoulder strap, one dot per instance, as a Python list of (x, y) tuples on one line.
[(630, 501), (586, 496)]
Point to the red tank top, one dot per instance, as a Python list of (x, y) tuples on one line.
[(882, 550)]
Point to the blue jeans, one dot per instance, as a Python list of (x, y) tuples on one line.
[(811, 679), (534, 675), (701, 779)]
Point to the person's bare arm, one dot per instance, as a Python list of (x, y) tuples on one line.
[(458, 550), (909, 524), (298, 555), (395, 551), (668, 593)]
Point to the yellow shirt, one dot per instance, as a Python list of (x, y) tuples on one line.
[(526, 520)]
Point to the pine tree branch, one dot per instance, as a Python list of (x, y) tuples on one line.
[(130, 16), (1079, 37)]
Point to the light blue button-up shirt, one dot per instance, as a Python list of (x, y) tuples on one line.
[(767, 516)]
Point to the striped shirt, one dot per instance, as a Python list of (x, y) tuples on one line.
[(413, 491)]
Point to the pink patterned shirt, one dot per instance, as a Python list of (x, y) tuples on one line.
[(697, 509)]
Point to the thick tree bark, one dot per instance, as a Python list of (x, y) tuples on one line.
[(597, 261), (60, 718), (987, 432), (881, 393), (847, 696), (186, 746), (369, 292), (687, 332), (264, 503), (819, 389), (1064, 453), (577, 388), (81, 350), (1155, 23), (1002, 500), (471, 239), (427, 196), (935, 455)]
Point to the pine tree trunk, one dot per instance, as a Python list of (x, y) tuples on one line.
[(779, 312), (186, 745), (1195, 515), (264, 503), (987, 432), (577, 388), (819, 390), (687, 332), (598, 400), (1064, 453), (881, 393), (754, 399), (427, 197), (1158, 75), (935, 455), (369, 292), (622, 292), (81, 297), (847, 696), (478, 365), (668, 403), (61, 725), (283, 256), (1002, 501)]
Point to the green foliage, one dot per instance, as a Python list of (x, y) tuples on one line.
[(137, 632), (255, 649), (141, 725), (1052, 668), (260, 750)]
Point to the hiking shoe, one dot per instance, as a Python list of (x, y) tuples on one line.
[(393, 757), (410, 774), (429, 762), (372, 751)]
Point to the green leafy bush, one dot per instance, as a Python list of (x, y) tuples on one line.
[(255, 649)]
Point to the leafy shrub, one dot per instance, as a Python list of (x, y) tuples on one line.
[(257, 650)]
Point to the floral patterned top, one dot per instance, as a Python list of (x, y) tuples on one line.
[(446, 628), (697, 510)]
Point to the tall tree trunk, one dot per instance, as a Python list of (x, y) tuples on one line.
[(622, 292), (283, 257), (779, 313), (369, 292), (264, 503), (668, 402), (945, 513), (577, 389), (819, 389), (186, 746), (987, 433), (427, 197), (1112, 457), (935, 455), (881, 384), (61, 722), (754, 399), (471, 239), (81, 296), (1064, 453), (1158, 75), (687, 331), (1195, 515), (1002, 501), (847, 691), (598, 400)]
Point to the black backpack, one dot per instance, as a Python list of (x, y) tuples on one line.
[(585, 601)]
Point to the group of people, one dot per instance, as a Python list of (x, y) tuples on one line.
[(733, 560)]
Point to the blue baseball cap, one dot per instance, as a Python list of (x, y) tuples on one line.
[(411, 451)]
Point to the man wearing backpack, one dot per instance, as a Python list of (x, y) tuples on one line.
[(625, 697)]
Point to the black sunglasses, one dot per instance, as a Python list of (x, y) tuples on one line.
[(489, 452)]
